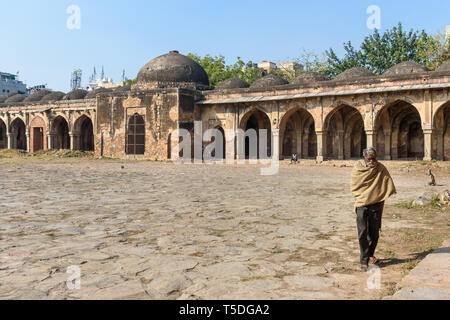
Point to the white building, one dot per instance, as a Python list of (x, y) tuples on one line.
[(9, 83), (106, 83)]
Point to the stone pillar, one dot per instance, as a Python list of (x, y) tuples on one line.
[(27, 134), (49, 141), (229, 146), (321, 145), (9, 140), (240, 145), (276, 144), (71, 136), (427, 144), (387, 145), (440, 144), (341, 145), (299, 144), (370, 134)]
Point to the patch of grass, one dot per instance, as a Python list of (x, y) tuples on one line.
[(405, 205), (390, 253), (435, 202), (277, 251)]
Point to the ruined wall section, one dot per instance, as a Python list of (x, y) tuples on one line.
[(158, 108)]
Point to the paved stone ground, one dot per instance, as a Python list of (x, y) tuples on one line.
[(430, 279), (164, 231)]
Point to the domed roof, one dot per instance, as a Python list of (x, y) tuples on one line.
[(444, 67), (76, 94), (37, 96), (53, 96), (6, 96), (407, 67), (268, 81), (16, 98), (123, 88), (92, 94), (172, 67), (232, 83), (354, 73), (309, 77)]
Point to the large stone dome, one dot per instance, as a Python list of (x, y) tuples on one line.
[(172, 68)]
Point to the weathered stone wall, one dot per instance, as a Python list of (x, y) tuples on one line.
[(395, 118), (159, 109)]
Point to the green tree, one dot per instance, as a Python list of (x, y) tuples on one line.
[(379, 52), (129, 82), (218, 71)]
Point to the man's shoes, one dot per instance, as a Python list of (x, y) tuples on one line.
[(364, 267), (373, 260)]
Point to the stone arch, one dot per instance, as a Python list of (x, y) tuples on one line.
[(345, 135), (401, 125), (38, 134), (3, 136), (441, 132), (60, 133), (83, 134), (18, 134), (257, 120), (222, 131), (298, 134)]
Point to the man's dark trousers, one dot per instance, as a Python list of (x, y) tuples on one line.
[(368, 221)]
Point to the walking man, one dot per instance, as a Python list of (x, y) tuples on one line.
[(371, 185)]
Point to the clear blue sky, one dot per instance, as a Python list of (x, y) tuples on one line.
[(126, 34)]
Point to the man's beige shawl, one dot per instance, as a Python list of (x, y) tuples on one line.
[(371, 185)]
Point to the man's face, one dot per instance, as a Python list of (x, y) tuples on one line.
[(371, 159)]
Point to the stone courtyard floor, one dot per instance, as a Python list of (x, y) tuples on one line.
[(154, 230)]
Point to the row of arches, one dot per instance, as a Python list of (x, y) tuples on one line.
[(398, 133), (59, 135)]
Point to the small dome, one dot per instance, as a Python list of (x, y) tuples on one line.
[(268, 81), (37, 96), (6, 96), (444, 67), (76, 94), (407, 67), (92, 94), (54, 96), (16, 98), (123, 88), (172, 67), (309, 77), (232, 83), (354, 73)]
